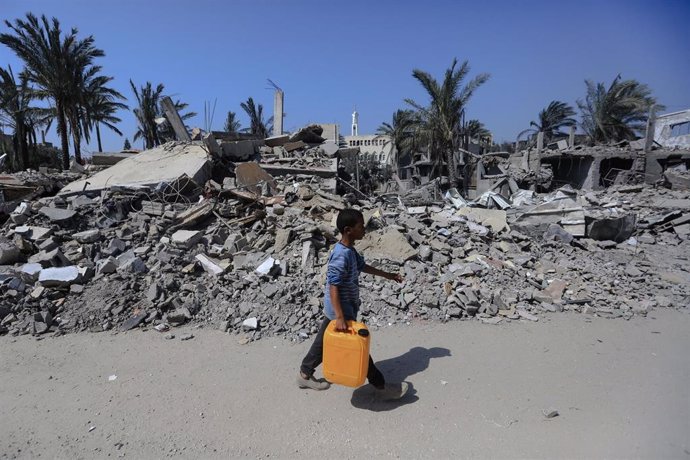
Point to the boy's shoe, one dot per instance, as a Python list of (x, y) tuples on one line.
[(313, 383), (392, 391)]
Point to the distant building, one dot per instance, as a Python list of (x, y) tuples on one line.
[(673, 129), (380, 146)]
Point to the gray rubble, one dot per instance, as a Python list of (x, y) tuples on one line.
[(247, 253)]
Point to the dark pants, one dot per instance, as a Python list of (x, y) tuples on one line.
[(315, 357)]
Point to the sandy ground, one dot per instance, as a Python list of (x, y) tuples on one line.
[(622, 389)]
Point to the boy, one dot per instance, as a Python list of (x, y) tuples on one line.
[(342, 303)]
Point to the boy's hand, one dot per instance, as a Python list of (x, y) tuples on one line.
[(395, 277), (340, 325)]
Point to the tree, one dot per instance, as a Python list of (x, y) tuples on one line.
[(551, 119), (152, 127), (101, 104), (147, 111), (257, 126), (475, 130), (15, 98), (617, 113), (127, 145), (52, 61), (441, 118), (232, 124), (401, 132)]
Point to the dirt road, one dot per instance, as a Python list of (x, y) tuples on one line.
[(622, 389)]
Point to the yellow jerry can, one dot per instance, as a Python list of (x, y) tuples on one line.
[(346, 354)]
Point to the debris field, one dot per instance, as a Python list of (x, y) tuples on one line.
[(236, 235)]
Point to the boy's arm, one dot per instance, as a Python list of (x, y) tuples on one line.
[(376, 272), (340, 324)]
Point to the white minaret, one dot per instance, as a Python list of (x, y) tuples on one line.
[(355, 122)]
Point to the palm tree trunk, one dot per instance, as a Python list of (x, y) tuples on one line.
[(62, 132), (76, 137), (24, 150), (450, 164), (98, 136)]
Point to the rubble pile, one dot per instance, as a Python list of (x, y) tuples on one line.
[(246, 250)]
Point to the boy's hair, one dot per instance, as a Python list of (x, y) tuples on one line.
[(348, 218)]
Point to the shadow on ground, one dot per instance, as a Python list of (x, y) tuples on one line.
[(397, 369)]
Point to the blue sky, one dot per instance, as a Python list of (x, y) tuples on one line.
[(332, 56)]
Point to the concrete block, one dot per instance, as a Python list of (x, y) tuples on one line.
[(21, 213), (276, 141), (33, 233), (88, 236), (240, 150), (185, 238), (57, 215), (59, 276), (54, 258), (250, 324), (105, 266), (30, 271), (209, 265), (9, 252)]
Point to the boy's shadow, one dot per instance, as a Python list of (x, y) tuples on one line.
[(397, 370)]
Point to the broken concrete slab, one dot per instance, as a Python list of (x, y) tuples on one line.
[(33, 233), (492, 218), (388, 244), (164, 164), (57, 215), (134, 321), (282, 240), (209, 265), (330, 149), (268, 267), (54, 258), (240, 150), (88, 236), (277, 141), (59, 276), (250, 176), (613, 229)]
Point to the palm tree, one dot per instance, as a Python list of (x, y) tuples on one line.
[(152, 127), (232, 124), (441, 119), (401, 132), (52, 61), (101, 104), (617, 113), (146, 113), (475, 130), (15, 98), (257, 126), (551, 119)]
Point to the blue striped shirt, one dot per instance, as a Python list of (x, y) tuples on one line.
[(344, 267)]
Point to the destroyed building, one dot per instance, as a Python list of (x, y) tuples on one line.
[(234, 233)]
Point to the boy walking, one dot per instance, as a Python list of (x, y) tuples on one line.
[(342, 304)]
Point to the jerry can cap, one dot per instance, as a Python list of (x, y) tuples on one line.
[(363, 332)]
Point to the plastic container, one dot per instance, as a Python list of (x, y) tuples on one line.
[(346, 354)]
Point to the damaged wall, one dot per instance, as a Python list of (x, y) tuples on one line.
[(672, 130)]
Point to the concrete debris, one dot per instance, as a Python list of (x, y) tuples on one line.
[(58, 276), (236, 233)]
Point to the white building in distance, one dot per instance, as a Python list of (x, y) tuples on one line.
[(379, 146)]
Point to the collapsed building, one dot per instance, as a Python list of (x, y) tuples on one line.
[(235, 234)]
